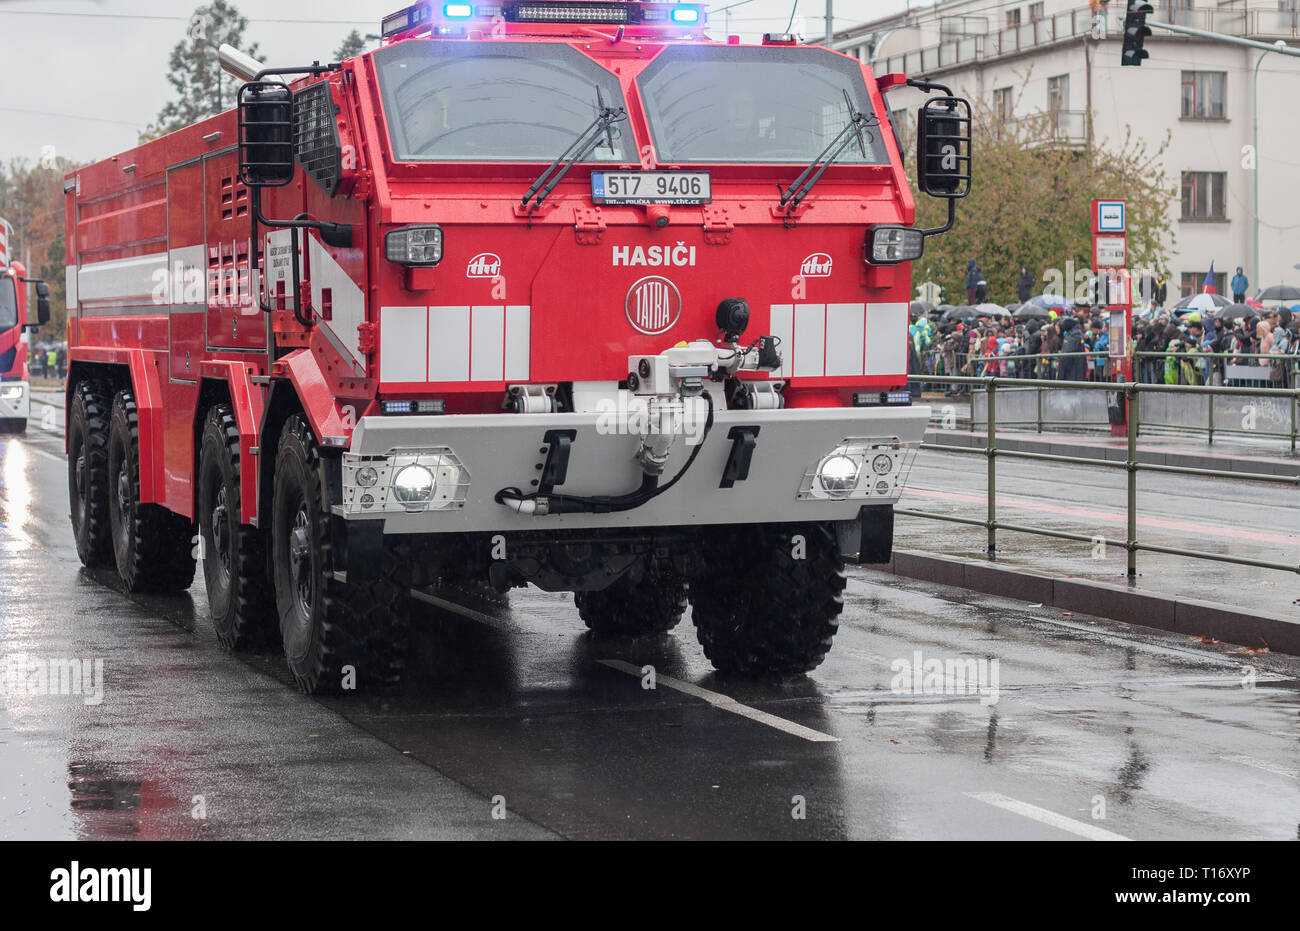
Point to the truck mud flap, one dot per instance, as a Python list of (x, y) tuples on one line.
[(869, 538)]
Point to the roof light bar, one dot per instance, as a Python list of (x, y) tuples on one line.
[(427, 15)]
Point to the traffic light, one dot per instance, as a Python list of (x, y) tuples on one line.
[(1136, 31)]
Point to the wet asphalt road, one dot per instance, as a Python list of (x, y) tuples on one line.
[(517, 711)]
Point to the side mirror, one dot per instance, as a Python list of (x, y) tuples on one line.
[(943, 147), (265, 134), (42, 303)]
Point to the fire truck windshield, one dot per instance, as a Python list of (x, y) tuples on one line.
[(8, 304), (737, 104), (503, 101)]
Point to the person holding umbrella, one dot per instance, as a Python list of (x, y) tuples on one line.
[(1239, 284)]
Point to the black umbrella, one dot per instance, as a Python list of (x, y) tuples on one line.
[(920, 307), (1279, 292), (1030, 312), (960, 312), (1233, 311), (1204, 302)]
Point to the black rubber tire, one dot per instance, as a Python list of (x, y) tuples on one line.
[(234, 554), (653, 605), (88, 415), (327, 625), (152, 546), (758, 610), (16, 425)]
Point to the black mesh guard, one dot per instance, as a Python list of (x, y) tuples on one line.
[(316, 136)]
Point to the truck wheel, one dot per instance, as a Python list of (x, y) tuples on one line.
[(759, 609), (88, 473), (152, 546), (654, 605), (328, 625), (234, 554)]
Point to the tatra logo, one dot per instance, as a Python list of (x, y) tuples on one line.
[(484, 265), (817, 265), (679, 254), (653, 305)]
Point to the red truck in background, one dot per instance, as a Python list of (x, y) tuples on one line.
[(538, 291), (15, 380)]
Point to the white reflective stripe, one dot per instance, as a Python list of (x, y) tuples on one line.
[(449, 344), (840, 339), (844, 336), (489, 342), (403, 336), (886, 352), (188, 281), (810, 339), (518, 343), (70, 277), (782, 327), (487, 349), (121, 279)]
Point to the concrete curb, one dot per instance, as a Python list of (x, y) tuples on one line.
[(1103, 599), (1056, 447)]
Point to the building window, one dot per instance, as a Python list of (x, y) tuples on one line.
[(1178, 4), (1204, 195), (1192, 283), (1058, 93), (1203, 95), (1035, 12), (1003, 104), (1013, 18)]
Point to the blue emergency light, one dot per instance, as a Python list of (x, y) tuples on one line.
[(686, 15)]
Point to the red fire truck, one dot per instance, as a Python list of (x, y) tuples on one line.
[(539, 292), (15, 385)]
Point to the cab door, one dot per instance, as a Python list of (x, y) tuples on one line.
[(185, 270)]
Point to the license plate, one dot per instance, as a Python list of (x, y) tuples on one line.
[(651, 187)]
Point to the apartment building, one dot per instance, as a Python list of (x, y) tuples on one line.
[(1230, 111)]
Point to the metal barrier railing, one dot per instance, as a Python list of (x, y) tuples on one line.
[(1132, 392), (1021, 364)]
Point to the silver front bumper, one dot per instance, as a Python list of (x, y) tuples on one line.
[(476, 455), (12, 408)]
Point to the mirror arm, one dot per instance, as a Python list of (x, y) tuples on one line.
[(928, 86), (314, 68), (338, 235), (952, 215)]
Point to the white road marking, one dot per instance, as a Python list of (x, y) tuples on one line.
[(1261, 764), (463, 611), (725, 703), (1043, 816)]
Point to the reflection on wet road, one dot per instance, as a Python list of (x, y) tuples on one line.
[(941, 714)]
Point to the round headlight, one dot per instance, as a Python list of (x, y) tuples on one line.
[(413, 485), (367, 501), (838, 476), (882, 487), (367, 476), (882, 464)]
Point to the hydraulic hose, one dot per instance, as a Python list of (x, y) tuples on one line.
[(650, 489)]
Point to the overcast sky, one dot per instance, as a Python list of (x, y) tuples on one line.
[(85, 77)]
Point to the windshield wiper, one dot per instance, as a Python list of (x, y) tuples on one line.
[(580, 148), (796, 192)]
